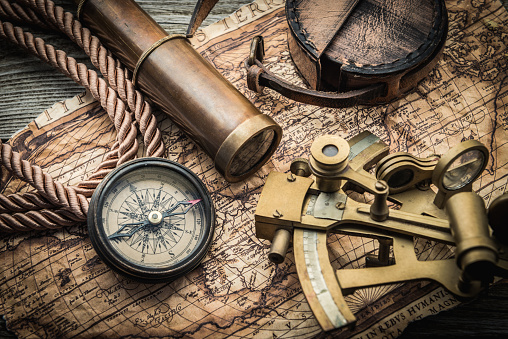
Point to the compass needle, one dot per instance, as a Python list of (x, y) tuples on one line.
[(189, 203), (127, 230), (151, 219), (166, 202)]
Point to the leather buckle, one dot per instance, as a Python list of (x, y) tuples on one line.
[(257, 50)]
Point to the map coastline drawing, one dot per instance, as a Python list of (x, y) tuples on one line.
[(52, 283)]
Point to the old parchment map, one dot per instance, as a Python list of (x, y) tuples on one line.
[(52, 283)]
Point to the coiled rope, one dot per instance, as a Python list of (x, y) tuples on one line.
[(55, 205)]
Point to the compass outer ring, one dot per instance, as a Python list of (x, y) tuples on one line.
[(136, 272)]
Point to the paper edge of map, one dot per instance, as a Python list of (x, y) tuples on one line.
[(386, 315)]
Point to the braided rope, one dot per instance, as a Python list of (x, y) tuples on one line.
[(15, 13), (53, 191), (117, 75), (48, 217), (36, 220), (23, 202), (72, 198), (17, 202), (89, 79), (65, 197)]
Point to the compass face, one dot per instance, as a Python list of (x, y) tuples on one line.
[(151, 219)]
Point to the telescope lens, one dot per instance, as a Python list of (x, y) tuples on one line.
[(252, 152), (463, 170)]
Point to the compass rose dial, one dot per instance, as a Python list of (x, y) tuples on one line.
[(151, 219)]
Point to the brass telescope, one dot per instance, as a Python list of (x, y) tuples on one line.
[(185, 86)]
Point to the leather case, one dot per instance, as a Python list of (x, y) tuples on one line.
[(356, 52)]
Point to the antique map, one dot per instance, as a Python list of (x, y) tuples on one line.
[(52, 283)]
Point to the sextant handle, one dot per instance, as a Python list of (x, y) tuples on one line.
[(476, 252)]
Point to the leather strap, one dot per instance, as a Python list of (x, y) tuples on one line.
[(258, 77)]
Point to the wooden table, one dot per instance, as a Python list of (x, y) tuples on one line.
[(28, 86)]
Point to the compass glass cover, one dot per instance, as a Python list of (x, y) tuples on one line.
[(251, 153), (153, 218)]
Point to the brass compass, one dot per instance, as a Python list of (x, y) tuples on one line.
[(151, 219)]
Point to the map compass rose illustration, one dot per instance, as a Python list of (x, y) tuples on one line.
[(151, 219)]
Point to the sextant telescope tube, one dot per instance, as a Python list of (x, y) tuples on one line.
[(208, 108)]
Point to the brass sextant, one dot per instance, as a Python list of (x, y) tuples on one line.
[(303, 206)]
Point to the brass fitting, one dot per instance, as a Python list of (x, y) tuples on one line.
[(279, 246), (300, 167), (457, 170), (379, 208), (476, 253), (329, 157)]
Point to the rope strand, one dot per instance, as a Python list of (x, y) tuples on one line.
[(66, 198), (15, 13)]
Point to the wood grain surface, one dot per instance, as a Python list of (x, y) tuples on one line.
[(393, 30), (28, 86)]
